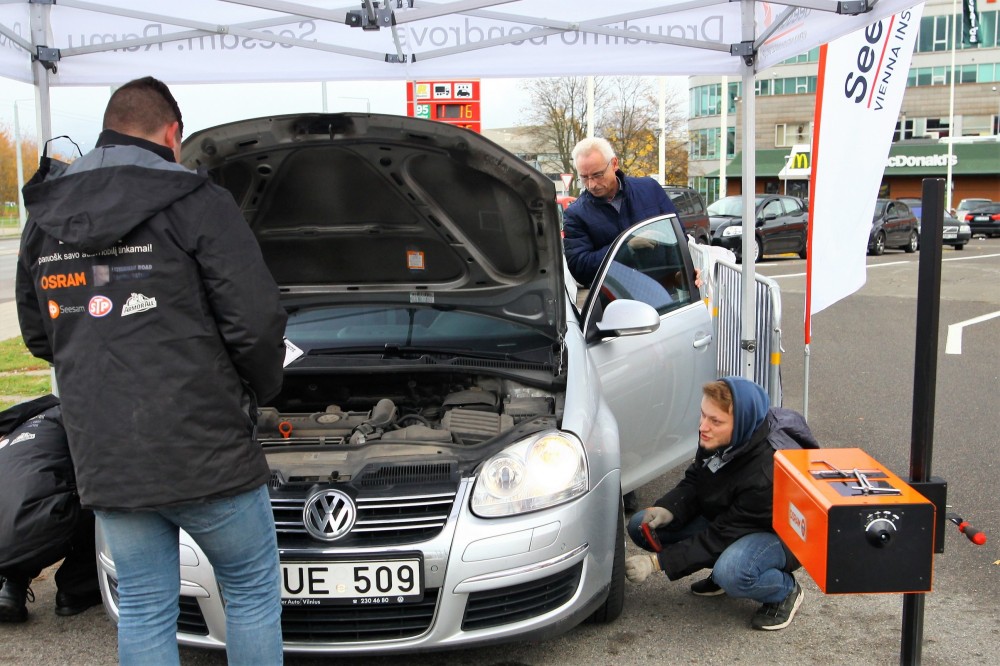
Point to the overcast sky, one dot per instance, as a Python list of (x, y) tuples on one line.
[(78, 111)]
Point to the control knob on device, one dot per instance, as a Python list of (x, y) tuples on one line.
[(880, 528)]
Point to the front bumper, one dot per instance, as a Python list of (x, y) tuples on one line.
[(486, 581), (952, 236)]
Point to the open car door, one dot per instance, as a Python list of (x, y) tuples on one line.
[(652, 381)]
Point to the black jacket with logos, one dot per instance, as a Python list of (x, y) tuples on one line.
[(142, 283), (737, 499)]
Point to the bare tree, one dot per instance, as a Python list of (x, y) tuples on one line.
[(558, 115), (626, 113)]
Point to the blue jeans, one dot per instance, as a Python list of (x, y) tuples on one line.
[(751, 567), (237, 534)]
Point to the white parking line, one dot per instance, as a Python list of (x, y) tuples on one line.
[(981, 256), (954, 343), (893, 263), (890, 263)]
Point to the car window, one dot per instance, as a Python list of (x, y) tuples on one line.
[(890, 210), (792, 206), (772, 207), (902, 210), (649, 267)]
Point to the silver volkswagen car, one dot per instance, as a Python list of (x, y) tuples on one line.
[(454, 434)]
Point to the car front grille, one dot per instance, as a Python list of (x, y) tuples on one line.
[(381, 521), (492, 608), (327, 624), (341, 624)]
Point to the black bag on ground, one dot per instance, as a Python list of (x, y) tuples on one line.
[(38, 501)]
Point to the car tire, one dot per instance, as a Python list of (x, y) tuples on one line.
[(804, 252), (914, 243), (960, 246), (612, 607), (878, 247), (757, 251)]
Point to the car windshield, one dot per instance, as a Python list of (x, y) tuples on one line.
[(421, 329), (880, 207), (730, 206)]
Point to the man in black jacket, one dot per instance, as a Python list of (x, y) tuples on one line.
[(719, 515), (41, 521), (142, 283)]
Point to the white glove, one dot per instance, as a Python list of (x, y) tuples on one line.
[(638, 567), (657, 516)]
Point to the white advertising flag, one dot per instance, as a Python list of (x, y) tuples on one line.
[(862, 78)]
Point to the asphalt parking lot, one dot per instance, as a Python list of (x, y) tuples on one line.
[(860, 394)]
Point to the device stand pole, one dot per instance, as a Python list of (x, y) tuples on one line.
[(924, 384)]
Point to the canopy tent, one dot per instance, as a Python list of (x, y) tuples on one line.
[(76, 42)]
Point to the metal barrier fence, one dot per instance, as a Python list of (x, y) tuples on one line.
[(724, 298)]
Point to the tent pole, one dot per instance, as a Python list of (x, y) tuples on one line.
[(748, 341), (41, 34)]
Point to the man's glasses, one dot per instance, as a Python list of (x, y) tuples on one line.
[(583, 180)]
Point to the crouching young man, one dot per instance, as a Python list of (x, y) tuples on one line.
[(719, 515)]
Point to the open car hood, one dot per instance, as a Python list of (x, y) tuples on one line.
[(367, 208)]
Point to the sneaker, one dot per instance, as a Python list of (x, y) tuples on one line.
[(706, 587), (778, 616), (13, 595)]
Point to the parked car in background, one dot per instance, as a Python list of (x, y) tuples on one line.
[(985, 220), (916, 205), (691, 209), (954, 232), (453, 436), (966, 206), (893, 225), (781, 225), (564, 200)]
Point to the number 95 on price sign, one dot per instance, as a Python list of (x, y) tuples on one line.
[(394, 581)]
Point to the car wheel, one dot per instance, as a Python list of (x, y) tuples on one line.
[(960, 246), (804, 252), (879, 247), (756, 249), (911, 247), (613, 605)]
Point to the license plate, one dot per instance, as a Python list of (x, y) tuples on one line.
[(947, 236), (366, 582)]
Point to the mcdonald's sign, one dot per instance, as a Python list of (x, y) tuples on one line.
[(797, 164)]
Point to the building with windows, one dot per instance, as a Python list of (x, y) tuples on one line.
[(928, 135)]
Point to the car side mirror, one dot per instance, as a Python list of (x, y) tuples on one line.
[(627, 317)]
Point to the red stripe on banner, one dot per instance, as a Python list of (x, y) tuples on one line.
[(878, 70), (817, 120)]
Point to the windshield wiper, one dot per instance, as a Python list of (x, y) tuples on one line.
[(395, 351)]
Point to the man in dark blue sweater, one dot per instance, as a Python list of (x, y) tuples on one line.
[(611, 203)]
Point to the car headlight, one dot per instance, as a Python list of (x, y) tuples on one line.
[(964, 228), (534, 474), (734, 230)]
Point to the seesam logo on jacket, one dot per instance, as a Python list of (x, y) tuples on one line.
[(137, 303)]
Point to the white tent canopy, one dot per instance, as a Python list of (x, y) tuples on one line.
[(77, 42)]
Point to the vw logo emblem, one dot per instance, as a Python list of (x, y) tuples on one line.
[(329, 515)]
